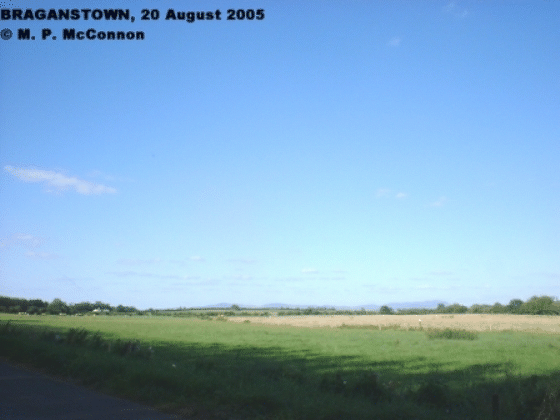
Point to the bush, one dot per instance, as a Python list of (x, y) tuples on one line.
[(333, 383), (6, 328), (550, 407), (76, 336), (95, 340), (368, 384), (450, 334), (432, 392)]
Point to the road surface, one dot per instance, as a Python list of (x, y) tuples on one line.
[(25, 394)]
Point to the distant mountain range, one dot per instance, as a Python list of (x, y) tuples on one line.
[(427, 304)]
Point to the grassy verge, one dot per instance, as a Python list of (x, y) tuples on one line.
[(228, 370)]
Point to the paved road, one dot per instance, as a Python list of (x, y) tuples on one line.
[(25, 394)]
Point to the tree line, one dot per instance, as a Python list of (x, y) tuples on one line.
[(536, 305), (57, 306)]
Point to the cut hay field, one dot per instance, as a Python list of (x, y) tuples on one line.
[(470, 322), (234, 370)]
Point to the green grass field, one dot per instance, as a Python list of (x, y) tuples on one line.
[(248, 371)]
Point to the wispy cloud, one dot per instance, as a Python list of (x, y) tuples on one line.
[(131, 261), (309, 271), (21, 239), (440, 273), (196, 258), (131, 273), (242, 277), (107, 177), (394, 42), (455, 10), (99, 174), (382, 192), (41, 255), (555, 276), (424, 286), (58, 182), (242, 260), (385, 192), (439, 202)]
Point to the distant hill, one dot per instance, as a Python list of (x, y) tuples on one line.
[(281, 305), (427, 304)]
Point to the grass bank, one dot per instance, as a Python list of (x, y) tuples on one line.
[(242, 370)]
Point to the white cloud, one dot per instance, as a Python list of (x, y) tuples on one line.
[(384, 192), (394, 42), (107, 177), (22, 239), (41, 255), (196, 258), (242, 260), (439, 202), (99, 174), (152, 275), (381, 192), (59, 182), (28, 240), (554, 276), (130, 261), (310, 271), (455, 10), (449, 6), (425, 286), (440, 273), (242, 277)]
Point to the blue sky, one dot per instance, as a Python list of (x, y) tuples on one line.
[(333, 153)]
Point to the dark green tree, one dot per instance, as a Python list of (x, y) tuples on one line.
[(515, 306), (38, 303), (101, 305), (385, 310), (482, 309), (541, 305), (57, 306), (456, 309), (498, 308), (82, 307), (127, 309)]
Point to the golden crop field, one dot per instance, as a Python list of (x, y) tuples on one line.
[(471, 322)]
